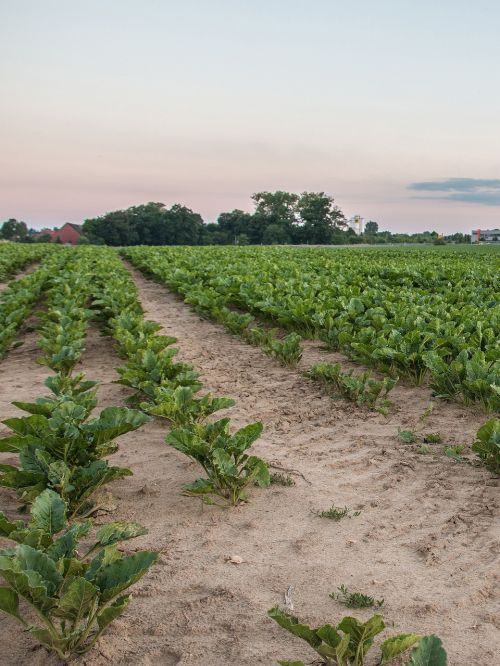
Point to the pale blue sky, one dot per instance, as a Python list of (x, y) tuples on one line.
[(110, 103)]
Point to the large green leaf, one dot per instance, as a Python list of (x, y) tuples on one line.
[(429, 652), (292, 624), (7, 526), (49, 512), (118, 531), (9, 603), (120, 574), (246, 436), (29, 584), (112, 612), (65, 545), (31, 560), (113, 422), (77, 601), (395, 645)]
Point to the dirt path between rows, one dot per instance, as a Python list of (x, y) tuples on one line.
[(425, 540), (17, 276)]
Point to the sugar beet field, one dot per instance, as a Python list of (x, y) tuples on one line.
[(239, 456)]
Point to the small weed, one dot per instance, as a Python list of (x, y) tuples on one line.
[(427, 412), (280, 479), (336, 513), (355, 599), (424, 450), (454, 452), (433, 438), (407, 436)]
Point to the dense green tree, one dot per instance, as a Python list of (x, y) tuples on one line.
[(371, 227), (320, 217), (14, 230), (148, 224), (234, 223), (275, 234)]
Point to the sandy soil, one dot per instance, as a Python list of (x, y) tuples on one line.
[(425, 540)]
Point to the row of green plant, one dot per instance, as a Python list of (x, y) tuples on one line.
[(13, 258), (362, 389), (397, 310), (59, 445), (73, 594), (207, 302), (19, 298), (171, 390)]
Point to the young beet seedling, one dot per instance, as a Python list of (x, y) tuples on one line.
[(75, 597)]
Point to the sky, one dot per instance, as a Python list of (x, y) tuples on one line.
[(392, 107)]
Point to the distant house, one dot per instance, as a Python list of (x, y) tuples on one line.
[(68, 234), (485, 236)]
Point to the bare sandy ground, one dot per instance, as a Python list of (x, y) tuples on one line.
[(425, 540)]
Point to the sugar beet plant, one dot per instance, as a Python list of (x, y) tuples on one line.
[(69, 598), (222, 455), (487, 445), (348, 642), (362, 389), (61, 448)]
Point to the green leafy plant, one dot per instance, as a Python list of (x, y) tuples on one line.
[(147, 370), (487, 445), (287, 350), (348, 642), (424, 450), (428, 652), (355, 599), (61, 449), (433, 438), (336, 513), (182, 408), (222, 456), (74, 597), (280, 479), (362, 389), (454, 452), (407, 436)]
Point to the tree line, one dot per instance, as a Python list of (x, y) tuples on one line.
[(278, 218)]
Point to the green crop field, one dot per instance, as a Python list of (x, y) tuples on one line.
[(399, 417)]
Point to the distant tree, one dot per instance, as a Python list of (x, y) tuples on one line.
[(147, 224), (371, 227), (242, 239), (185, 226), (273, 208), (43, 238), (234, 223), (320, 216), (275, 234), (13, 230)]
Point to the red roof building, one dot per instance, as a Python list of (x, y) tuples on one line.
[(68, 234)]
